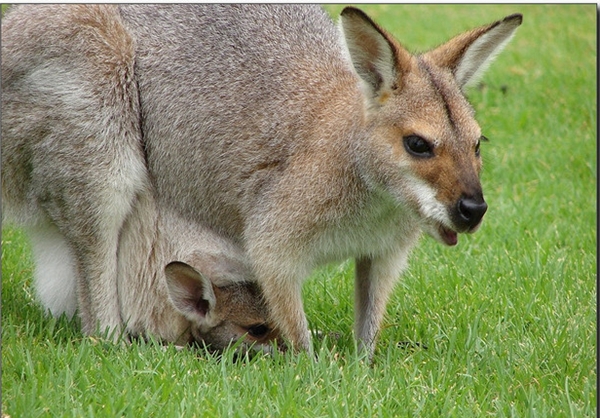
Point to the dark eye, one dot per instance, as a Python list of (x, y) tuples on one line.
[(482, 138), (258, 331), (418, 146)]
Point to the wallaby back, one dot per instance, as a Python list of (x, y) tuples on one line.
[(269, 71)]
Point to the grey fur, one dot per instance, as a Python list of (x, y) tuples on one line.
[(264, 123)]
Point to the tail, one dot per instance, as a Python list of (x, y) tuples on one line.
[(55, 272)]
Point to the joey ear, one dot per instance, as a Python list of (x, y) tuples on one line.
[(468, 55), (191, 293), (374, 54)]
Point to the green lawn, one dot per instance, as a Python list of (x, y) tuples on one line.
[(504, 324)]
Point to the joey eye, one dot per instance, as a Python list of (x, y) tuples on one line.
[(258, 331), (417, 146), (482, 138)]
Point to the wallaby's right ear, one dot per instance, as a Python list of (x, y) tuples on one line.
[(377, 58), (468, 55), (191, 293)]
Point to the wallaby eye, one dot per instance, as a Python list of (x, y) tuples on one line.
[(417, 146), (258, 331), (482, 138)]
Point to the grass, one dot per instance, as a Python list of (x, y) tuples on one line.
[(502, 325)]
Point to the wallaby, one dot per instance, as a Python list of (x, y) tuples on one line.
[(206, 296), (301, 143)]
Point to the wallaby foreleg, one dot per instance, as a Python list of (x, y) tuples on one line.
[(374, 282), (283, 296)]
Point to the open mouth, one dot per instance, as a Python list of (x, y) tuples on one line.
[(449, 236)]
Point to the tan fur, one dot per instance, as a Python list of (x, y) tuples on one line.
[(300, 143), (219, 272)]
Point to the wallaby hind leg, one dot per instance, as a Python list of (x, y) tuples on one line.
[(89, 209), (71, 130)]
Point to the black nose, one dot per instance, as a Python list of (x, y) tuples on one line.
[(471, 210)]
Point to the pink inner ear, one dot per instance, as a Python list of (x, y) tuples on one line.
[(195, 298), (187, 290)]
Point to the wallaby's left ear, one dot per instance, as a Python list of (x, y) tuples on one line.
[(468, 55), (191, 293), (377, 58)]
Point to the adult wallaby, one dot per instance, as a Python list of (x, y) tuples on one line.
[(301, 143)]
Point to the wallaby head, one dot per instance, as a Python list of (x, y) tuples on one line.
[(423, 144), (219, 315)]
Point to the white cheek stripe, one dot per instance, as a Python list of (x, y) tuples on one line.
[(431, 208)]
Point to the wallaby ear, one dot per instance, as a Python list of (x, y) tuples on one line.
[(468, 55), (191, 293), (373, 53)]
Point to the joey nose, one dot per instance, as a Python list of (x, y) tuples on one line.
[(471, 210)]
